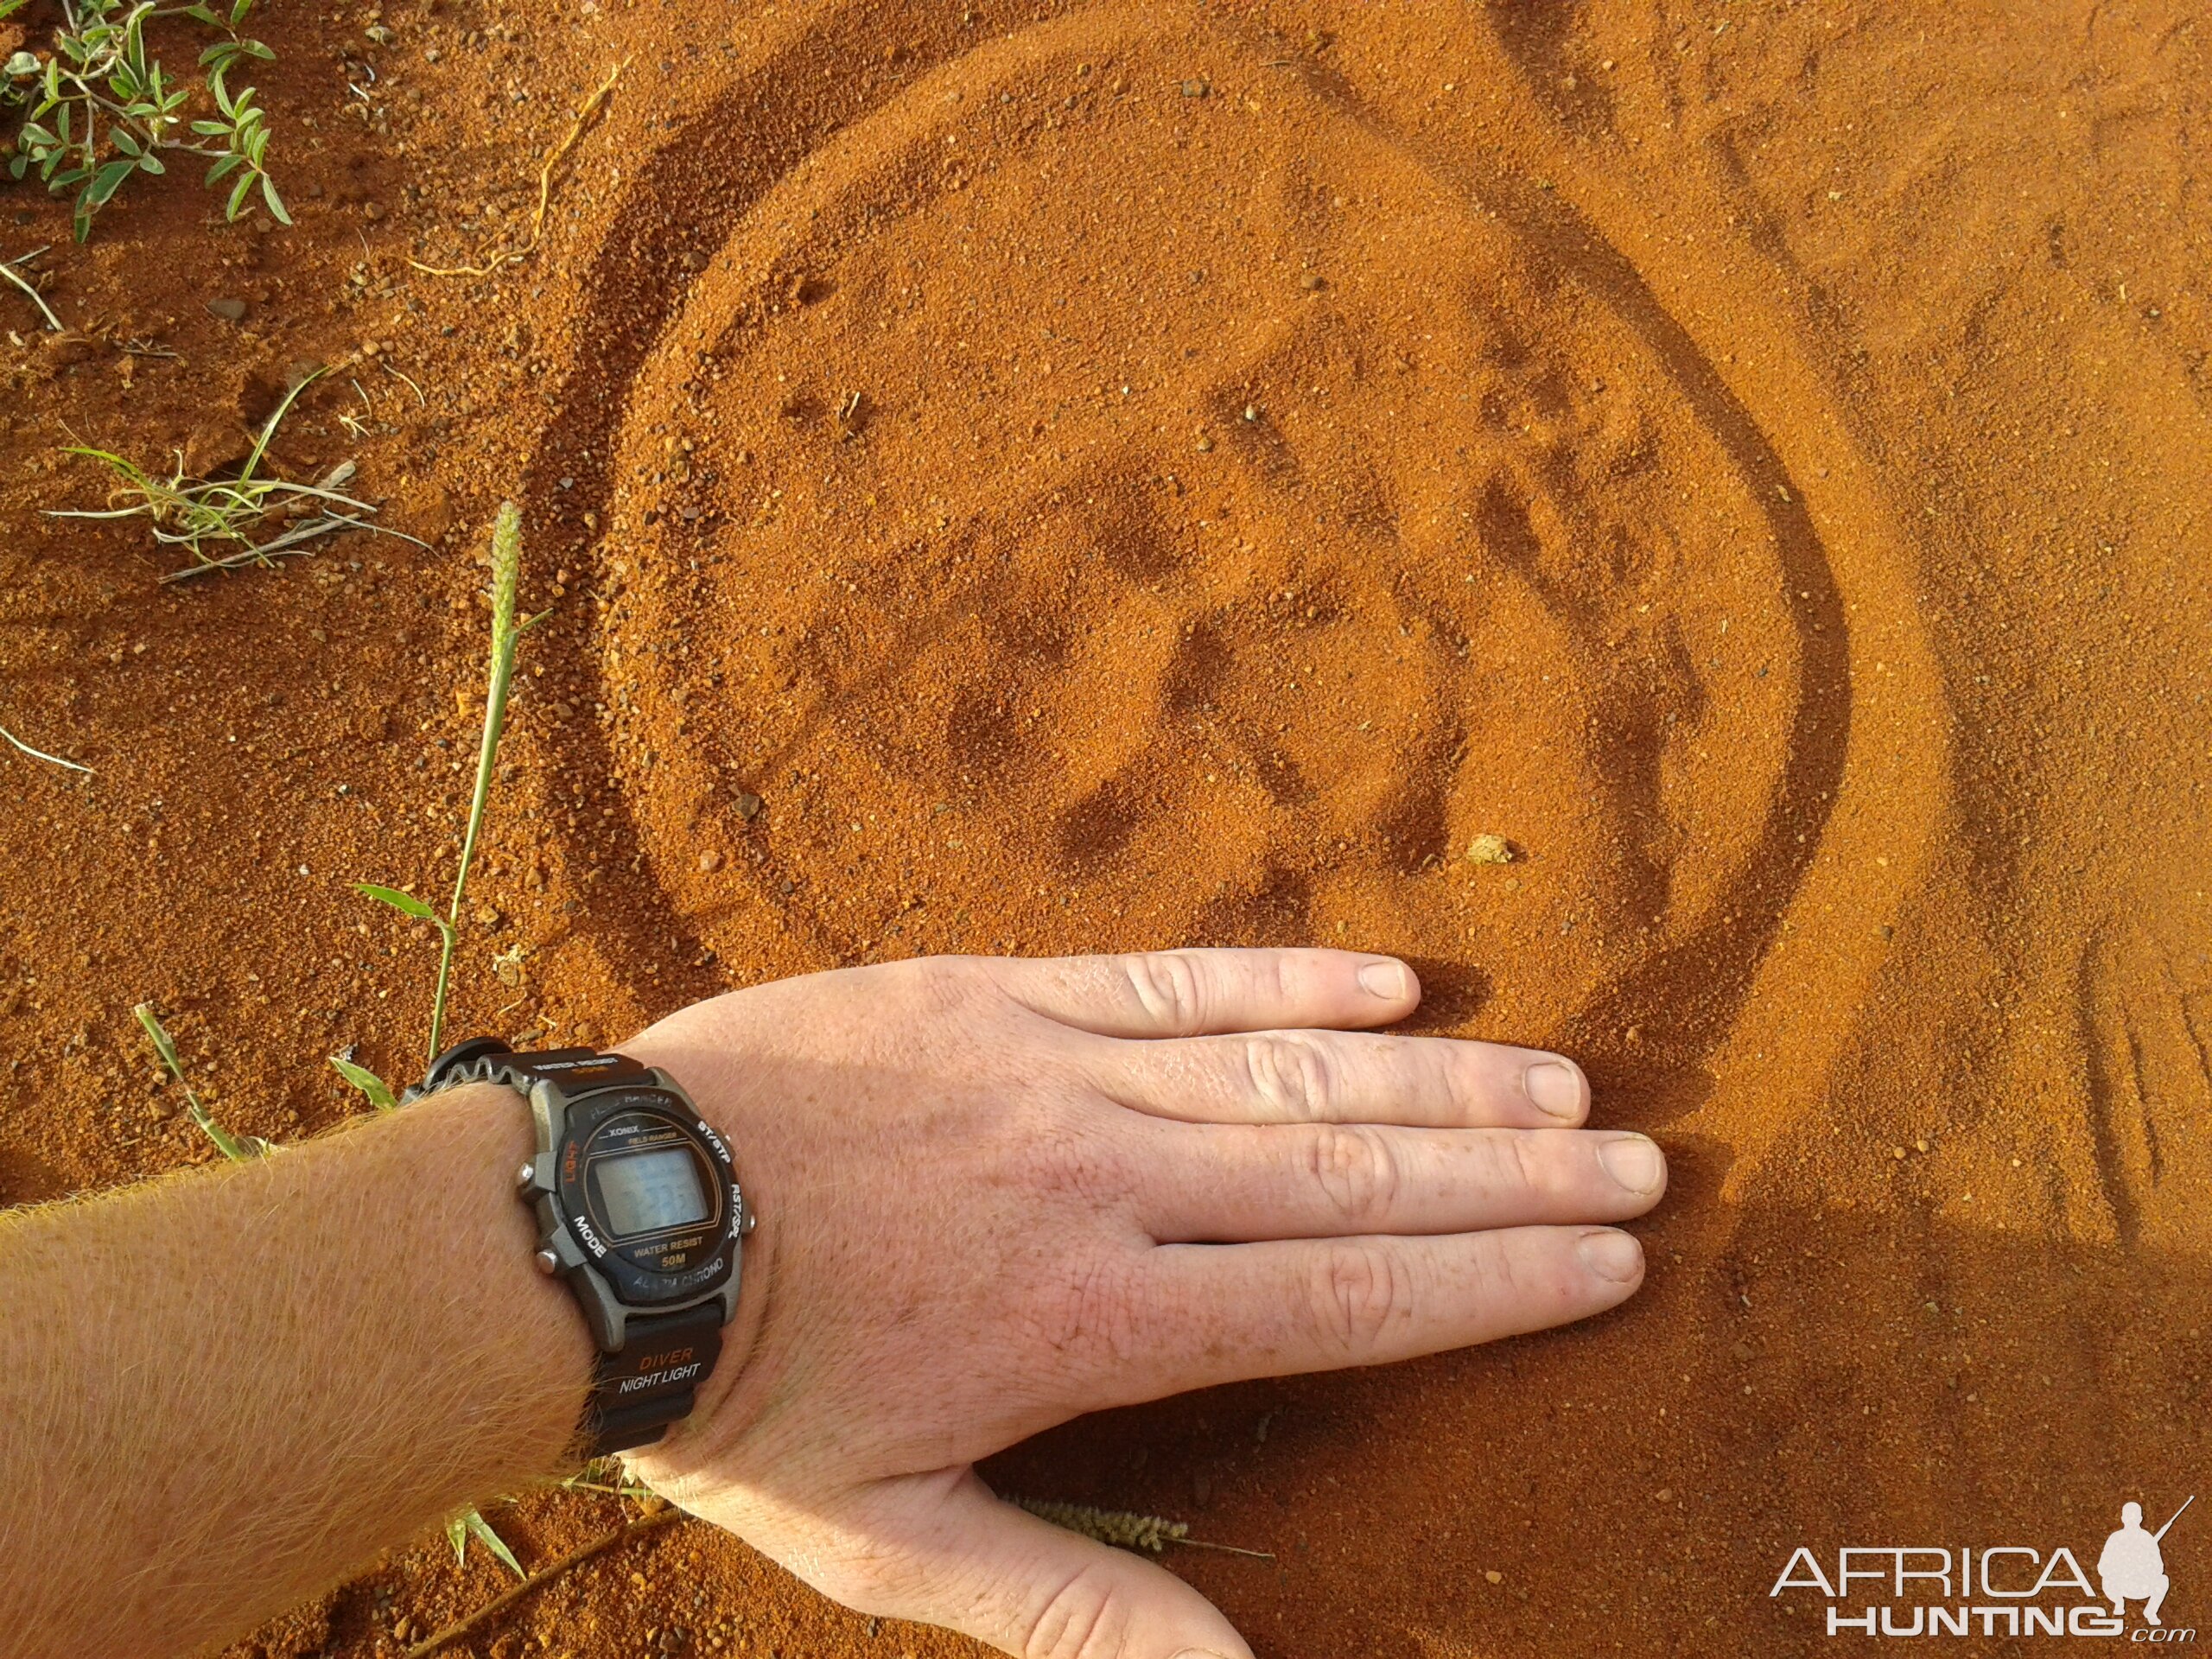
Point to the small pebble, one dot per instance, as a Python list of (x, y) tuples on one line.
[(1494, 1577), (228, 310), (1195, 89), (748, 805), (710, 861), (1489, 849)]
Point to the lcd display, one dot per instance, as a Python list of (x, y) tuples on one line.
[(649, 1191)]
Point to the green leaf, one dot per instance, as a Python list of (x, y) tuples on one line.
[(108, 180), (480, 1529), (22, 63), (237, 195), (159, 1036), (151, 163), (239, 10), (457, 1535), (405, 903), (126, 143), (238, 1149), (202, 15), (377, 1090), (225, 165), (276, 202), (256, 49)]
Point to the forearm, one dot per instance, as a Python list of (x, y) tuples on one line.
[(221, 1391)]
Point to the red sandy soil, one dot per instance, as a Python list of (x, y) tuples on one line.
[(1040, 478)]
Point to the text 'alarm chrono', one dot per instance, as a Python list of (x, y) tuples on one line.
[(639, 1212)]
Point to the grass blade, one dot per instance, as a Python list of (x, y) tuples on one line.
[(238, 1149), (480, 1529), (377, 1090), (506, 572), (405, 903)]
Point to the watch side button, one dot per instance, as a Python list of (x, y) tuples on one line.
[(524, 1176), (547, 1263)]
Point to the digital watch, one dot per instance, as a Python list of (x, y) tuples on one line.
[(639, 1212)]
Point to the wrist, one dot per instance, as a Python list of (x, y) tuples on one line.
[(478, 1134), (699, 1071)]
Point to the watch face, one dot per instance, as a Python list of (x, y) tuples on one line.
[(652, 1191), (647, 1190)]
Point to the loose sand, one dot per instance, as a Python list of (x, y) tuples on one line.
[(1041, 479)]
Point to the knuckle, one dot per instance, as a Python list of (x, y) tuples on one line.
[(1524, 1162), (1356, 1170), (1085, 1616), (1169, 987), (1498, 1276), (1293, 1077), (1460, 1080), (1360, 1292)]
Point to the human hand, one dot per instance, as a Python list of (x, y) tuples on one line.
[(997, 1193)]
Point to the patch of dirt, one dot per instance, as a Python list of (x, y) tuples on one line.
[(1041, 478)]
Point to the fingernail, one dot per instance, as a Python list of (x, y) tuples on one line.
[(1554, 1087), (1633, 1162), (1611, 1256), (1388, 980)]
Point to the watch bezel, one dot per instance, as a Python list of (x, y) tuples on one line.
[(562, 1202)]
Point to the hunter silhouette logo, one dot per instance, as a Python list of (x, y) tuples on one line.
[(2131, 1567), (2007, 1589)]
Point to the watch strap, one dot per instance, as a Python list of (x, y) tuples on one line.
[(487, 1059), (653, 1381)]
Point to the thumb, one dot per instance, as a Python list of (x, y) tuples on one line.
[(940, 1549)]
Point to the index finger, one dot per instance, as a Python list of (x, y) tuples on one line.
[(1195, 993)]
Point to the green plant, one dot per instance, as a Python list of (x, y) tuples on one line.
[(472, 1524), (506, 636), (196, 513), (238, 1148), (100, 107)]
